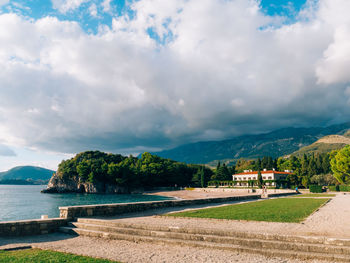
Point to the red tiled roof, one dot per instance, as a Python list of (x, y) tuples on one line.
[(263, 172)]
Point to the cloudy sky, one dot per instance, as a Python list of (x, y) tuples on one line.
[(128, 76)]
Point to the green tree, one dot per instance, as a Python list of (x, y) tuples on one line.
[(305, 181), (326, 167), (312, 168), (203, 184), (304, 165), (218, 165), (83, 170), (223, 174), (293, 179), (258, 165), (270, 163), (340, 164), (260, 180)]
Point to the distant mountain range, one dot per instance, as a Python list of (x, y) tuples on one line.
[(275, 144), (26, 175)]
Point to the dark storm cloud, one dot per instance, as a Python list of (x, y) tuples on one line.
[(227, 69)]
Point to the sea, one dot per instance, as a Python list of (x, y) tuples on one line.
[(22, 202)]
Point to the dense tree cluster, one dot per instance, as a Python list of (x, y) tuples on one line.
[(308, 169), (267, 162), (147, 171), (153, 171), (223, 172)]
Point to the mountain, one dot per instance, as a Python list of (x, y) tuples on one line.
[(31, 173), (325, 144), (276, 143)]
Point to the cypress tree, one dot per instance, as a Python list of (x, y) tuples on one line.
[(202, 178), (260, 180)]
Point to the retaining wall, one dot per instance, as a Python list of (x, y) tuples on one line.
[(72, 212), (31, 227)]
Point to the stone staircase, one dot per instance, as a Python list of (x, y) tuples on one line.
[(319, 248)]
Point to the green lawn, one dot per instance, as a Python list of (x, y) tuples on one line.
[(44, 256), (315, 195), (271, 210)]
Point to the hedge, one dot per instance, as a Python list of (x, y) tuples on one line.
[(315, 188), (333, 188), (341, 188), (344, 188)]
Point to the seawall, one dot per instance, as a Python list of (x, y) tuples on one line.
[(31, 227)]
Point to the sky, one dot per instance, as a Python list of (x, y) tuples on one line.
[(129, 76)]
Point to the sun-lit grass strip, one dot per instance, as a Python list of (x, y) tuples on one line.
[(315, 195), (43, 256), (291, 210)]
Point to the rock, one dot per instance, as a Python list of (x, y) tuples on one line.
[(74, 185)]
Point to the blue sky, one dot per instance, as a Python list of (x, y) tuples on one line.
[(130, 76), (90, 22)]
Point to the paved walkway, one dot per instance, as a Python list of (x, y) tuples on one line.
[(331, 220)]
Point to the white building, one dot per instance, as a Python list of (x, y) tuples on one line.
[(248, 175)]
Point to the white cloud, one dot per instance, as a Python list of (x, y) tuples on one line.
[(218, 74), (93, 10), (106, 5), (67, 5), (4, 2)]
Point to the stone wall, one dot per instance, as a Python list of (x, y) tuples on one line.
[(72, 212), (31, 227)]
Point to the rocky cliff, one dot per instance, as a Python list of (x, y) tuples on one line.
[(74, 185)]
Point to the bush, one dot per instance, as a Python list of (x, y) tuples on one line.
[(333, 188), (315, 188), (341, 188), (344, 188)]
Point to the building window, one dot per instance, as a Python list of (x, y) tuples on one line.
[(270, 178)]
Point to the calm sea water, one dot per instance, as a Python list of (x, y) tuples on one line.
[(18, 202)]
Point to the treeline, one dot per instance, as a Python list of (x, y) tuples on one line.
[(153, 171), (147, 171), (308, 169)]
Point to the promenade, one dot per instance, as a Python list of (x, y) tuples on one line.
[(329, 221)]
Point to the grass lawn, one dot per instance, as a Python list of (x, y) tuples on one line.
[(272, 210), (44, 256), (315, 195)]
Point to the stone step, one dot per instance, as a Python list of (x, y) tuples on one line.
[(204, 244), (249, 242), (228, 233)]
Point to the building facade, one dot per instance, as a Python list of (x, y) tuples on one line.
[(270, 175)]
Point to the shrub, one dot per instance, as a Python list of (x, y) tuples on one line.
[(344, 188), (315, 188), (341, 188), (333, 188)]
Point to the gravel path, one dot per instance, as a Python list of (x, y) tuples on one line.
[(330, 220), (125, 251)]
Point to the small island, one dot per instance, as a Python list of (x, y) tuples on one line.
[(99, 172)]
